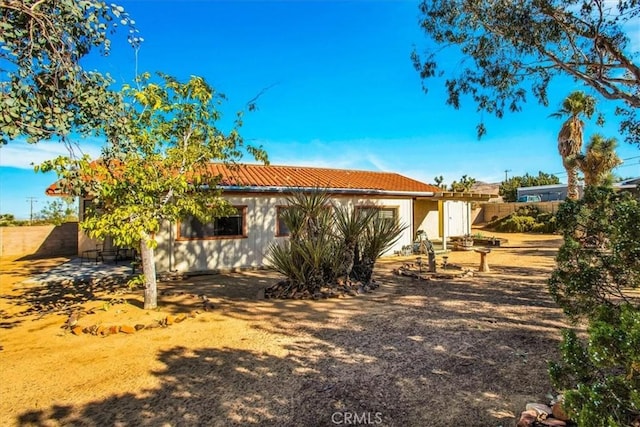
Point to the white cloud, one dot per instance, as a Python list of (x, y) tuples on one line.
[(22, 155)]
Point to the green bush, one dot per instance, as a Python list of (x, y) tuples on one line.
[(328, 243), (527, 218), (597, 266)]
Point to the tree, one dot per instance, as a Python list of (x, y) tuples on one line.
[(44, 91), (59, 211), (464, 186), (509, 188), (570, 137), (598, 161), (514, 49), (439, 180), (156, 167), (598, 267)]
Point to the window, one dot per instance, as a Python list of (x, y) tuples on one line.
[(383, 212), (225, 227), (281, 227), (387, 213)]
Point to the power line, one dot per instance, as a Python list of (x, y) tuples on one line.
[(31, 201)]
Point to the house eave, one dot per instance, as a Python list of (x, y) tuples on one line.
[(356, 191)]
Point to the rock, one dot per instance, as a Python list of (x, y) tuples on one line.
[(181, 318), (558, 412), (139, 327), (541, 409), (126, 329), (527, 418), (77, 330), (114, 330), (170, 320), (102, 330), (552, 422)]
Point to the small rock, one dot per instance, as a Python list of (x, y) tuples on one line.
[(558, 412), (139, 327), (114, 330), (170, 320), (552, 422), (77, 330), (181, 318), (527, 418), (126, 329), (102, 330), (541, 409)]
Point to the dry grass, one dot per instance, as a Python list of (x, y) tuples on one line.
[(461, 352)]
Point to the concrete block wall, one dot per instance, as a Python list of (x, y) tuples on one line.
[(40, 240), (491, 211)]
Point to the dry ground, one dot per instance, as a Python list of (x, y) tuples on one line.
[(469, 351)]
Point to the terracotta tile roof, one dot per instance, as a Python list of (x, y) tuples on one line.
[(247, 177), (261, 176)]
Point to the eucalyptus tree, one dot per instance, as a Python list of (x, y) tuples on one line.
[(512, 50), (45, 92)]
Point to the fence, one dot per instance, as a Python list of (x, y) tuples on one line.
[(39, 240), (493, 211)]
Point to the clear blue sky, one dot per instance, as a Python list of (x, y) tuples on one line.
[(344, 93)]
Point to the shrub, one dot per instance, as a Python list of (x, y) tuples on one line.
[(597, 265), (526, 218), (327, 242)]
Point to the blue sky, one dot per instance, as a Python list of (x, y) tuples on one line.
[(343, 93)]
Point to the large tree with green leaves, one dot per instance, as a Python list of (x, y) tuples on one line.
[(570, 137), (156, 166), (44, 90), (514, 49), (509, 188)]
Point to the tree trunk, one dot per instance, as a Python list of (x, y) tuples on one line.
[(149, 269), (572, 181)]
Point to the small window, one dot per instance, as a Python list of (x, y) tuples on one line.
[(281, 228), (383, 212), (224, 227)]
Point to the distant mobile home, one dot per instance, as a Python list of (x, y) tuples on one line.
[(547, 193)]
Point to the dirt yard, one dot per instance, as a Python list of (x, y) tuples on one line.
[(468, 351)]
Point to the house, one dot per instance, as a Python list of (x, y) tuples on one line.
[(259, 193)]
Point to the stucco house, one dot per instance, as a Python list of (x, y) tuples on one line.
[(259, 193)]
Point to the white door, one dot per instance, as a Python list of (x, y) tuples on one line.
[(457, 218)]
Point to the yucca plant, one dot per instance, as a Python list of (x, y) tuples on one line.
[(380, 235), (349, 225)]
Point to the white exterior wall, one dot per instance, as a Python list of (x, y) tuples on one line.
[(250, 251)]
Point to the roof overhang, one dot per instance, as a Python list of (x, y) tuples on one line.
[(352, 191), (465, 197)]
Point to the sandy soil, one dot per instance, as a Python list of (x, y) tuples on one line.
[(466, 351)]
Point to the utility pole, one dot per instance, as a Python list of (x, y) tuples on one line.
[(506, 177), (31, 201)]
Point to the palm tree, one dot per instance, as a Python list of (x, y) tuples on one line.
[(598, 161), (570, 138)]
